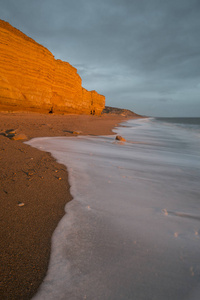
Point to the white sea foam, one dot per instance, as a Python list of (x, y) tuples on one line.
[(132, 230)]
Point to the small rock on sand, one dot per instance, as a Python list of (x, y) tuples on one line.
[(10, 131), (120, 138), (9, 135), (19, 136)]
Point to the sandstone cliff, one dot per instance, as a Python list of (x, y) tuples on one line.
[(32, 79)]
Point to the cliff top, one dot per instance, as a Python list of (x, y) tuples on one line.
[(5, 25)]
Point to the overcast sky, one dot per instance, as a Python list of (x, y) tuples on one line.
[(143, 55)]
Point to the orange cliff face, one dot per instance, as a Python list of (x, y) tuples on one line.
[(32, 79)]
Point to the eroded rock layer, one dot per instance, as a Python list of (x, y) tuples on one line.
[(32, 79)]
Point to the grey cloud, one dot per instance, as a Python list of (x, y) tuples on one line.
[(144, 52)]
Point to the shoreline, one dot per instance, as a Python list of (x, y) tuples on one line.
[(31, 183)]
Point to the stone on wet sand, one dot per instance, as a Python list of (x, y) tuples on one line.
[(19, 136), (120, 138)]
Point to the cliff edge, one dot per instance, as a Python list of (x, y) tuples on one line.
[(32, 79)]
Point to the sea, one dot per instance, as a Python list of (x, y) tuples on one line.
[(132, 230)]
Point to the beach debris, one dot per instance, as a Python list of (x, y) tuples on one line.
[(120, 138), (59, 178), (76, 132), (20, 204), (19, 136), (9, 135), (10, 131), (13, 135)]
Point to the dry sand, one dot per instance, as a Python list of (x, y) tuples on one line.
[(34, 189)]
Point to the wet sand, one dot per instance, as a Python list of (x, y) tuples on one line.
[(34, 190)]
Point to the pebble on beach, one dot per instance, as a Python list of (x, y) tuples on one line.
[(19, 136), (120, 138)]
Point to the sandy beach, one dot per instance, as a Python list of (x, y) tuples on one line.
[(34, 189)]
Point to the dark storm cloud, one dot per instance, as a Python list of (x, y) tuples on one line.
[(143, 55)]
